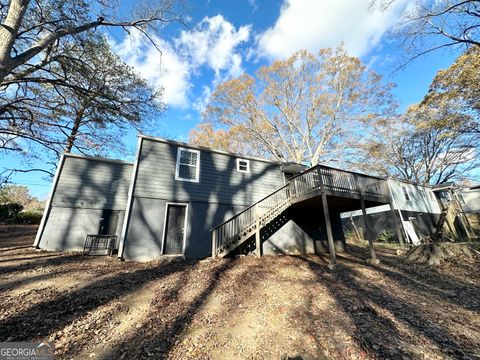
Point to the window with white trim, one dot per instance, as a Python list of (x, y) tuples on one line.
[(243, 165), (405, 193), (424, 195), (188, 165)]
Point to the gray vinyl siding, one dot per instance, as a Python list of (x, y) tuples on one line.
[(472, 200), (67, 228), (146, 230), (86, 187), (219, 180), (93, 184)]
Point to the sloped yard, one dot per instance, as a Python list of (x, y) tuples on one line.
[(269, 308)]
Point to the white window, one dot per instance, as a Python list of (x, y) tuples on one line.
[(243, 165), (188, 165), (422, 191), (405, 193)]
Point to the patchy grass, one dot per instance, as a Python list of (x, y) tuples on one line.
[(269, 308)]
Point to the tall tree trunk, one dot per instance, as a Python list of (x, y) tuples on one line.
[(73, 134), (9, 31), (8, 34)]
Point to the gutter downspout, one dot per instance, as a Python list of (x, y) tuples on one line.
[(48, 205), (394, 202), (126, 220)]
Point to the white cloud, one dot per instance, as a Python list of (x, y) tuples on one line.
[(315, 24), (201, 103), (165, 70), (212, 43), (253, 4)]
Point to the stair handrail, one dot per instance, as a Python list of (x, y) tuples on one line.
[(290, 181), (268, 196), (350, 183), (248, 208)]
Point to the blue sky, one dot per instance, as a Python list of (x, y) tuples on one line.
[(226, 38)]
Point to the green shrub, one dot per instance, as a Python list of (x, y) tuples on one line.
[(28, 218), (8, 211), (387, 236)]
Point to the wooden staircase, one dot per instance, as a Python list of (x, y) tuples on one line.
[(236, 230), (233, 232), (438, 232)]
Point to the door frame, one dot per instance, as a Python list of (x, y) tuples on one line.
[(165, 227), (112, 214)]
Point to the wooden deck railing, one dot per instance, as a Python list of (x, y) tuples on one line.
[(243, 223), (340, 182), (343, 181)]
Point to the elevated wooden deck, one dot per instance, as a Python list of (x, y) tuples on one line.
[(315, 183)]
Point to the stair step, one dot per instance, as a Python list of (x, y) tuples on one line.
[(248, 231)]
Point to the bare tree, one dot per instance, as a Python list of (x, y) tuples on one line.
[(304, 108), (30, 31), (234, 140), (434, 24), (37, 40), (412, 147), (100, 96), (97, 99), (459, 87)]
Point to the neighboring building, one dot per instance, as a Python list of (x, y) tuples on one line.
[(180, 199), (470, 199), (416, 206), (462, 208)]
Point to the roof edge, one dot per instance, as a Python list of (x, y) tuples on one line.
[(204, 148), (410, 182), (97, 158)]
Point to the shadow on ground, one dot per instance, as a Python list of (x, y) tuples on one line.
[(286, 307)]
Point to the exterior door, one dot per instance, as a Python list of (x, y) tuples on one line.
[(174, 229), (108, 222)]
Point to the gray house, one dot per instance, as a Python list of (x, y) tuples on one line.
[(461, 205), (180, 199), (470, 199)]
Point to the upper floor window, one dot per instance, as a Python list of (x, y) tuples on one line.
[(445, 196), (188, 165), (424, 195), (405, 193), (243, 165)]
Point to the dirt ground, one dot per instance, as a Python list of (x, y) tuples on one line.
[(286, 307)]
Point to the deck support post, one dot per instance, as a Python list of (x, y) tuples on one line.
[(397, 226), (367, 234), (328, 226), (214, 244), (258, 240)]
